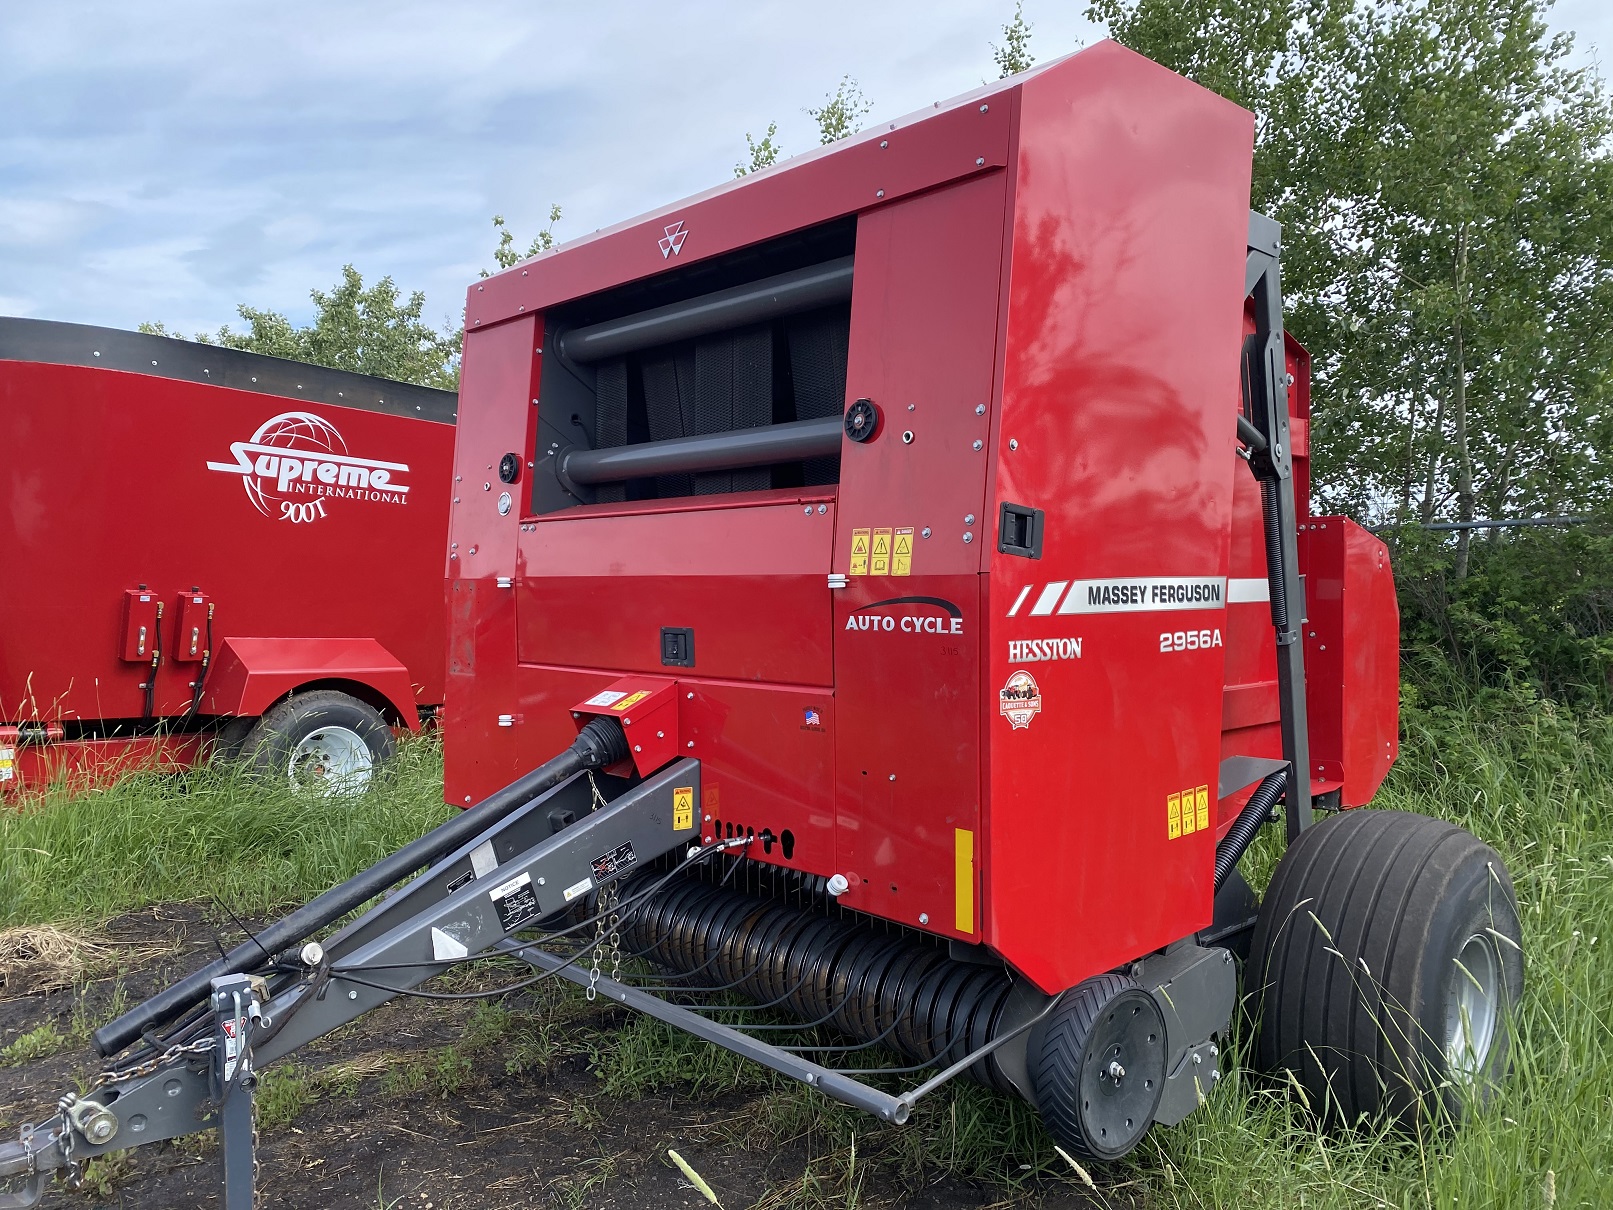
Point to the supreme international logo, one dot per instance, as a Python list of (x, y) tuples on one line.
[(296, 461)]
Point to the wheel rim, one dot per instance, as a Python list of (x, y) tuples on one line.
[(1473, 1008), (331, 761), (1122, 1072)]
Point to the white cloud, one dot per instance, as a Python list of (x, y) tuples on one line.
[(170, 161)]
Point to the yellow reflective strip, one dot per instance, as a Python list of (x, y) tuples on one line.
[(963, 854)]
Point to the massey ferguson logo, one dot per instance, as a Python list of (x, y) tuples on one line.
[(672, 241), (297, 460)]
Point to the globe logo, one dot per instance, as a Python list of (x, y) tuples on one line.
[(296, 461)]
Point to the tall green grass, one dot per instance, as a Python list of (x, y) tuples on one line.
[(213, 833), (1524, 775)]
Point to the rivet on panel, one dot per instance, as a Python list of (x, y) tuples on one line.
[(822, 508), (980, 409), (984, 108), (968, 537), (883, 143), (969, 519), (879, 193), (907, 437), (925, 532), (1013, 443), (924, 918), (980, 161), (979, 445)]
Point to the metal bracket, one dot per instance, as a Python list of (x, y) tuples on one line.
[(1196, 989), (1266, 385), (237, 1013)]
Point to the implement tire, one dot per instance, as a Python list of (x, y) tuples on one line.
[(1097, 1065), (1386, 967), (324, 743)]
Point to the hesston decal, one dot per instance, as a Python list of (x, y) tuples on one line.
[(908, 622), (297, 460)]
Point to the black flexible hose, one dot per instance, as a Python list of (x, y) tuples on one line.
[(600, 743), (1230, 849)]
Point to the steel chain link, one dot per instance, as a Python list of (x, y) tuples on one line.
[(119, 1075)]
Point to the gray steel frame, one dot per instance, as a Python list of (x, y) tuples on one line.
[(1268, 401)]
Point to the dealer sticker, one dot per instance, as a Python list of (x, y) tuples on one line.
[(1020, 700), (607, 698)]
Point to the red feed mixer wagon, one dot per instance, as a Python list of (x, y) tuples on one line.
[(884, 607), (209, 547)]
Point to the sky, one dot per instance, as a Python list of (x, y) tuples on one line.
[(169, 161)]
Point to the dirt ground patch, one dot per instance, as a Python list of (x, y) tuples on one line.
[(426, 1106)]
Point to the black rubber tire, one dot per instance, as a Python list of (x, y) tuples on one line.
[(1067, 1057), (1354, 966), (269, 747)]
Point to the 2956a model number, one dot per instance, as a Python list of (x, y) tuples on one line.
[(1189, 640)]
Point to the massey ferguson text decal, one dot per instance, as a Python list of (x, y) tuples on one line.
[(296, 461)]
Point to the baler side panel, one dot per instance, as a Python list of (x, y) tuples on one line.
[(1125, 316), (1352, 658), (750, 582), (496, 417), (907, 627)]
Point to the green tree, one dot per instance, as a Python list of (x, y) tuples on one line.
[(838, 116), (1445, 182), (505, 254), (1014, 55), (369, 330), (763, 153)]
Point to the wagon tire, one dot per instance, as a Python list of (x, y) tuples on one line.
[(324, 742), (1386, 967), (1107, 1024)]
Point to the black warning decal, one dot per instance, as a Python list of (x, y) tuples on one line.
[(615, 863), (515, 902)]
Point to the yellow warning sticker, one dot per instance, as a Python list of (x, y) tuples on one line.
[(880, 561), (631, 700), (902, 552), (1187, 812), (859, 552), (682, 808)]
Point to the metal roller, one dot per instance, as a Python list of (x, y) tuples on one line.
[(868, 985)]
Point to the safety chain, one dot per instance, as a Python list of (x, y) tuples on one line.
[(599, 803), (605, 935), (117, 1076), (257, 1166)]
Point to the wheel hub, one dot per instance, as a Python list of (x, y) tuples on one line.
[(1122, 1073), (1473, 1007), (331, 761)]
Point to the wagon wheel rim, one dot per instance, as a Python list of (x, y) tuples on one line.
[(331, 761), (1473, 1008)]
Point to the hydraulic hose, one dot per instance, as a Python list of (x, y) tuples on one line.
[(600, 743), (1274, 555), (1230, 849)]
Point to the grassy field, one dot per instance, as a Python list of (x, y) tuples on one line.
[(1527, 777)]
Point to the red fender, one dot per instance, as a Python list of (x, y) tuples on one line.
[(249, 675)]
